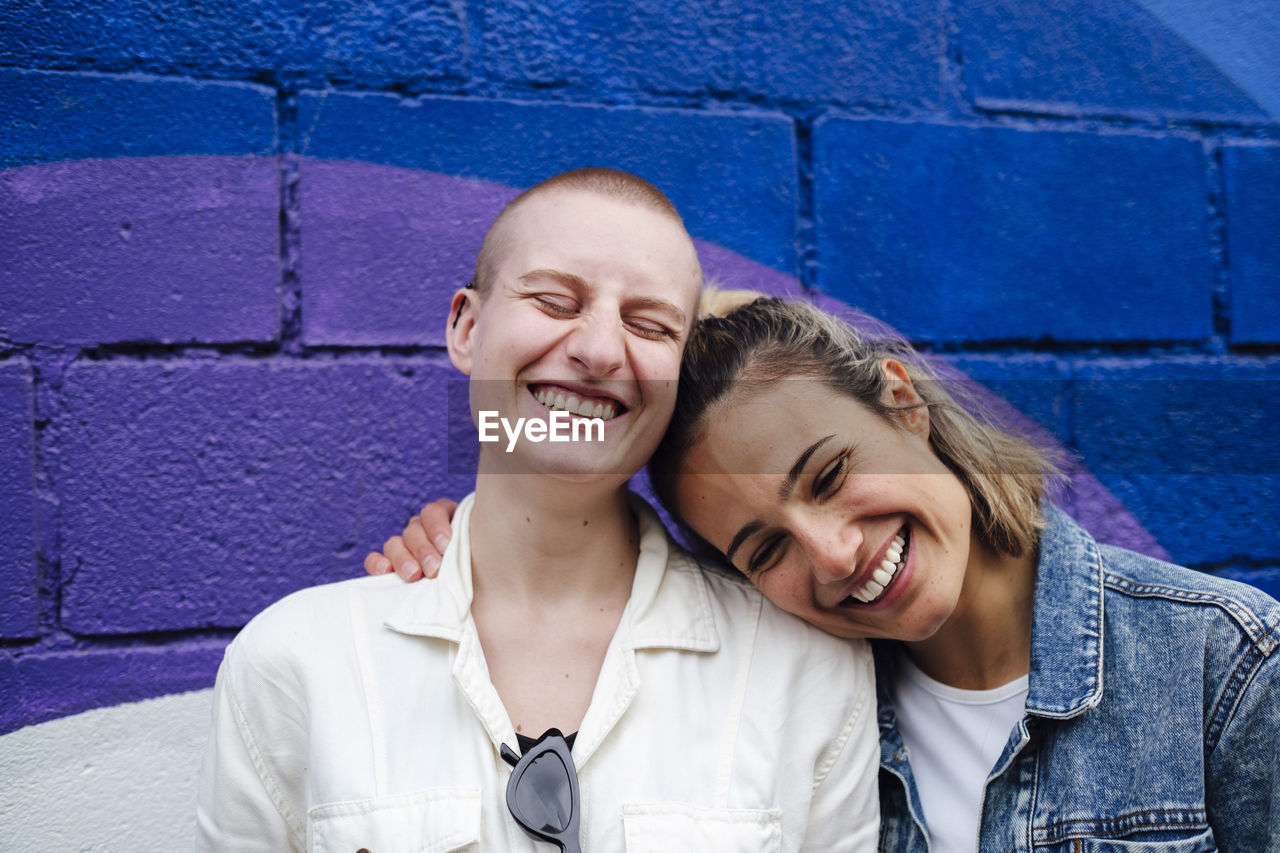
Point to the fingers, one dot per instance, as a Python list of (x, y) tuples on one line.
[(434, 521), (406, 566), (415, 542), (437, 518), (376, 564)]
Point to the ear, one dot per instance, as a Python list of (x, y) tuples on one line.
[(459, 328), (901, 396)]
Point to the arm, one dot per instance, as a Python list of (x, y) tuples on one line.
[(417, 551), (242, 804), (1243, 784)]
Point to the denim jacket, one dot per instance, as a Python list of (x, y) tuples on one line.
[(1152, 719)]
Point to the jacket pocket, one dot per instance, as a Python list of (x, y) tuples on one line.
[(437, 820), (1201, 842), (666, 827)]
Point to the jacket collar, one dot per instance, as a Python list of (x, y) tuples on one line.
[(669, 607), (1066, 623)]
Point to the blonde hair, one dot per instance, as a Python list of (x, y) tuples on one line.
[(610, 183), (767, 340)]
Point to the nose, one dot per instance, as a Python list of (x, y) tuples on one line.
[(831, 547), (598, 343)]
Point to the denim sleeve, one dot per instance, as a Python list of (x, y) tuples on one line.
[(1243, 784)]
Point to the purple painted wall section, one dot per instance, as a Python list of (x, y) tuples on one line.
[(384, 248), (167, 249), (197, 492), (67, 681)]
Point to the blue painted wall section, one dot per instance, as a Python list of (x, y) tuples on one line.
[(1253, 204), (1092, 57), (229, 231), (960, 233)]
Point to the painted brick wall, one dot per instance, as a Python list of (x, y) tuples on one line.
[(229, 231)]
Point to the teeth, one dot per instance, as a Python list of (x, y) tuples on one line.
[(883, 574), (574, 406)]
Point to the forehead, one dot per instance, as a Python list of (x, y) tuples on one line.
[(752, 439), (600, 237)]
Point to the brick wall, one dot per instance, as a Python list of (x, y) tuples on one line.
[(229, 232)]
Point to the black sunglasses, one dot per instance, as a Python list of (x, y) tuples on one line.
[(542, 793)]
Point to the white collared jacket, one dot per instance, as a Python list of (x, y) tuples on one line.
[(360, 716)]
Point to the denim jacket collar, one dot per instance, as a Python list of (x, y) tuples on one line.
[(1066, 623), (1066, 629), (669, 608)]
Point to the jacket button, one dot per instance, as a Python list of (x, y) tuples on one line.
[(900, 755)]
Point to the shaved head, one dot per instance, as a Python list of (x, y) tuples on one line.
[(609, 183)]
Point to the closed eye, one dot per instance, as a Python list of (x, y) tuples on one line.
[(650, 329), (558, 305), (829, 480), (769, 553)]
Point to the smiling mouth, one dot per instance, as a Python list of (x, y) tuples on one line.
[(885, 573), (559, 399)]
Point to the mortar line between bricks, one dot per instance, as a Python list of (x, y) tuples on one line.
[(290, 235), (806, 225), (1219, 257), (48, 365)]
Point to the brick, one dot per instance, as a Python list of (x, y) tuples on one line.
[(366, 43), (18, 603), (1099, 57), (384, 248), (1032, 387), (377, 241), (879, 52), (963, 234), (196, 493), (1252, 176), (1188, 446), (169, 249), (48, 117), (42, 685)]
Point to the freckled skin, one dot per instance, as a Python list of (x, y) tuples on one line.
[(892, 479)]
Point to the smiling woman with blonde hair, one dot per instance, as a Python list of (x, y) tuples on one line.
[(1037, 690)]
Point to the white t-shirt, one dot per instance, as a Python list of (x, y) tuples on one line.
[(953, 739)]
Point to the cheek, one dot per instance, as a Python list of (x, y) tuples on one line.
[(656, 361), (788, 590)]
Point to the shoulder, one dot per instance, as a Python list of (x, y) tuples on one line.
[(1145, 584), (309, 628), (783, 642)]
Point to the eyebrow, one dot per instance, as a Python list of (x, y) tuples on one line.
[(572, 280), (751, 528), (784, 491)]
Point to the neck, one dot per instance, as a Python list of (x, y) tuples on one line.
[(986, 642), (536, 539)]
